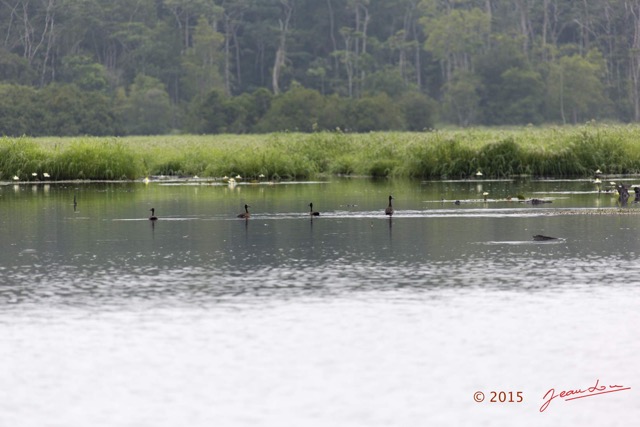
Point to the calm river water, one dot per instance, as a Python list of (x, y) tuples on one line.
[(349, 319)]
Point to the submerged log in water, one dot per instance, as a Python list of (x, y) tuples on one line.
[(540, 238), (537, 201)]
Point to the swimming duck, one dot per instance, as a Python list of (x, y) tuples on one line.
[(153, 216), (246, 214), (312, 212), (389, 210)]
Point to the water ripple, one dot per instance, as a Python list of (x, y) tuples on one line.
[(72, 285)]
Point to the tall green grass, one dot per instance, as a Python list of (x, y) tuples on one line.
[(89, 158), (500, 152)]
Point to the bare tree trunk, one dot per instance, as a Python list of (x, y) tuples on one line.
[(227, 71), (287, 9), (361, 27), (417, 57), (228, 30), (634, 60), (336, 61), (402, 54), (489, 12), (28, 44), (176, 15), (10, 24), (348, 58), (524, 26), (50, 18), (33, 45), (545, 25), (564, 119), (586, 27), (236, 45)]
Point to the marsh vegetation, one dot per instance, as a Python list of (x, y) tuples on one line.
[(450, 154)]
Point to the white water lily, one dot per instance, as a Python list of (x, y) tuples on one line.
[(478, 173), (16, 177), (46, 175)]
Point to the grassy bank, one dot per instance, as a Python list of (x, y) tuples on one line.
[(549, 152)]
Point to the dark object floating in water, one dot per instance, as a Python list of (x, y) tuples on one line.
[(541, 238), (537, 201), (153, 216)]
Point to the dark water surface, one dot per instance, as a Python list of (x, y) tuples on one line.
[(347, 319)]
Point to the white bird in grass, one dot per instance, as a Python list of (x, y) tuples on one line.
[(46, 175), (16, 178)]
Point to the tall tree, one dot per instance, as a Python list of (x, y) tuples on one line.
[(455, 36), (203, 60), (575, 89)]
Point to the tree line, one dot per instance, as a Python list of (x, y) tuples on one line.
[(118, 67)]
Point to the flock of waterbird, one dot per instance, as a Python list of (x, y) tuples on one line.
[(388, 211), (247, 215), (622, 190)]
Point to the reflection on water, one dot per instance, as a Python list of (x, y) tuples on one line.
[(118, 282), (349, 318)]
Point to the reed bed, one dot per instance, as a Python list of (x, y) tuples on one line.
[(452, 154)]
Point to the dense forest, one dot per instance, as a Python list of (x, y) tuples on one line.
[(134, 67)]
